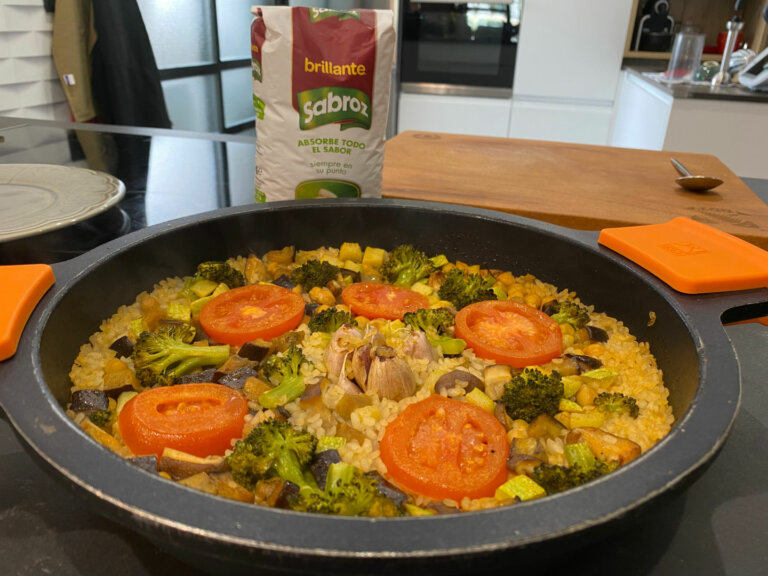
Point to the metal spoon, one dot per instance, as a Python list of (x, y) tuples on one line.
[(694, 183)]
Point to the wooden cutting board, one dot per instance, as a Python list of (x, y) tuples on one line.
[(572, 185)]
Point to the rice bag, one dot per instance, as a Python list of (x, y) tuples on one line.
[(321, 85)]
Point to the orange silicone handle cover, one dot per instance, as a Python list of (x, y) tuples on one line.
[(691, 257), (22, 288)]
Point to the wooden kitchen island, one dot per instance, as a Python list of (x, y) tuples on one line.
[(572, 185)]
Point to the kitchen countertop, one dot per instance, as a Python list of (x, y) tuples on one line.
[(716, 527), (731, 92)]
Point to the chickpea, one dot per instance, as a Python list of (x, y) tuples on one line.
[(585, 396), (322, 296), (532, 300)]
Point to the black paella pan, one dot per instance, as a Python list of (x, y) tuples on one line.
[(687, 338)]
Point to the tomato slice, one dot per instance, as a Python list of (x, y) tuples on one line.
[(374, 300), (509, 332), (442, 448), (199, 419), (250, 312)]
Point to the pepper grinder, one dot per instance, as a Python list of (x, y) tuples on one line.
[(733, 26)]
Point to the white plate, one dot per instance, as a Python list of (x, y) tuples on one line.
[(37, 198)]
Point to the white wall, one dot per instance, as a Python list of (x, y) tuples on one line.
[(29, 86)]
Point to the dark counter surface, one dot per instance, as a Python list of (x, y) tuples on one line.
[(732, 92), (719, 526)]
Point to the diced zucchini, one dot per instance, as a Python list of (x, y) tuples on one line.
[(179, 311), (220, 289), (198, 304), (122, 399), (203, 287), (587, 419), (521, 487), (373, 257), (432, 379), (569, 406), (422, 288), (449, 346), (352, 265), (602, 376), (564, 418), (571, 385), (330, 443), (481, 400), (414, 510), (439, 261), (579, 454), (501, 294), (495, 378), (351, 251)]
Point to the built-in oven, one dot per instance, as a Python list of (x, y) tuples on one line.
[(459, 48)]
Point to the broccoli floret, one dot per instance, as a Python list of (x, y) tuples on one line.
[(567, 312), (273, 449), (178, 331), (221, 273), (330, 320), (582, 467), (161, 357), (314, 273), (532, 393), (284, 371), (406, 265), (433, 321), (348, 492), (617, 403), (100, 417), (462, 289)]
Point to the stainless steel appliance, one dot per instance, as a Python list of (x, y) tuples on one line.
[(459, 48)]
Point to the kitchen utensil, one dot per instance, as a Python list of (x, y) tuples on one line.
[(684, 331), (691, 182)]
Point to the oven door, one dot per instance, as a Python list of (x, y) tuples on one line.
[(464, 48)]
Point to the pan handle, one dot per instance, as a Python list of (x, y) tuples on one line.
[(23, 287), (694, 258)]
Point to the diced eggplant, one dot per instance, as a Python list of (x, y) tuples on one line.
[(458, 378), (522, 463), (441, 508), (236, 379), (584, 363), (89, 400), (597, 334), (551, 307), (182, 465), (389, 490), (285, 282), (256, 350), (197, 377), (312, 390), (310, 308), (123, 347), (146, 463), (353, 274), (320, 464), (283, 342), (289, 491)]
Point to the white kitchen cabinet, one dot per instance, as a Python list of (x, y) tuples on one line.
[(454, 114), (567, 69), (650, 118)]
